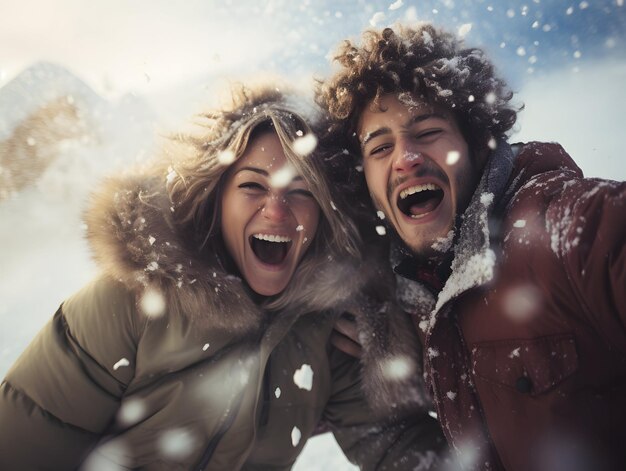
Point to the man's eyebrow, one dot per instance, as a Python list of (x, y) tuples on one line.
[(371, 135), (413, 120), (423, 117)]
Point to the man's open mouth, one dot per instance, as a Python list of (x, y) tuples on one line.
[(418, 200), (269, 248)]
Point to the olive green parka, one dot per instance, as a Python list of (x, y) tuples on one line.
[(164, 362)]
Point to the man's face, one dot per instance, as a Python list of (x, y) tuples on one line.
[(417, 167)]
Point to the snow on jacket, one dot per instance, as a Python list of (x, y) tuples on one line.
[(525, 345), (213, 383)]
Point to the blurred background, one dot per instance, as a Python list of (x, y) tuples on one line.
[(87, 88)]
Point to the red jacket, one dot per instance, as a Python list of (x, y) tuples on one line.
[(525, 345)]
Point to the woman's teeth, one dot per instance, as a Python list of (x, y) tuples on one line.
[(272, 238)]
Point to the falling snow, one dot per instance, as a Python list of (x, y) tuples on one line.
[(296, 435), (303, 377), (226, 157), (305, 145), (122, 362), (152, 303), (377, 18), (282, 177)]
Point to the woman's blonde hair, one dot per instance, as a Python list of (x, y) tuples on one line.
[(199, 166)]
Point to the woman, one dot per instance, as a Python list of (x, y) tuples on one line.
[(204, 343)]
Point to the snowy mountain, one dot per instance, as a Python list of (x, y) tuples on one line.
[(49, 113)]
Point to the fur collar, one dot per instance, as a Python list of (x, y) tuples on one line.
[(135, 240)]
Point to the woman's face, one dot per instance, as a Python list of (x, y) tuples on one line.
[(269, 216)]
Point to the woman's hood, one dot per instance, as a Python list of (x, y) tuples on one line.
[(135, 239)]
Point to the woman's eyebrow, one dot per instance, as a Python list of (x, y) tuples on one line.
[(265, 173), (260, 171)]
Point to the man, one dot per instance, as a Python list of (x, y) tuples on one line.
[(511, 264)]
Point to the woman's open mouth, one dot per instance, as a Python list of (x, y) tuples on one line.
[(419, 200), (269, 248)]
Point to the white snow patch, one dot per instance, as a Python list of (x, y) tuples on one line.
[(305, 145), (433, 352), (277, 392), (120, 363), (299, 228), (377, 18), (380, 230), (398, 368), (522, 302), (296, 435), (433, 414), (520, 223), (453, 157), (451, 395), (171, 175), (443, 244), (476, 271), (152, 303), (303, 377), (464, 29), (131, 411), (176, 443), (515, 352), (486, 198), (205, 347), (283, 176), (226, 157), (110, 456), (380, 215), (151, 240)]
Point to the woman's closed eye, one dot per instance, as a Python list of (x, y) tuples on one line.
[(252, 186), (301, 192)]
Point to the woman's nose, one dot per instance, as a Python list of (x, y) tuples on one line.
[(276, 208)]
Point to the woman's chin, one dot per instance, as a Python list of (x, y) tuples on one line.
[(269, 283)]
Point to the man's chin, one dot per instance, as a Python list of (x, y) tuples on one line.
[(429, 247)]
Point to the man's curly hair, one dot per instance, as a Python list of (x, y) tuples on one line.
[(427, 63)]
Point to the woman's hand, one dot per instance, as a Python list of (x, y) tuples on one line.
[(345, 336)]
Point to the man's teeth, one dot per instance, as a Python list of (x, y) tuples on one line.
[(416, 189), (272, 238)]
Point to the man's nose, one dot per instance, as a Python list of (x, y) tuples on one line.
[(406, 157), (276, 208)]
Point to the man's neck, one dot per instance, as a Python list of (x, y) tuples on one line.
[(432, 271)]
